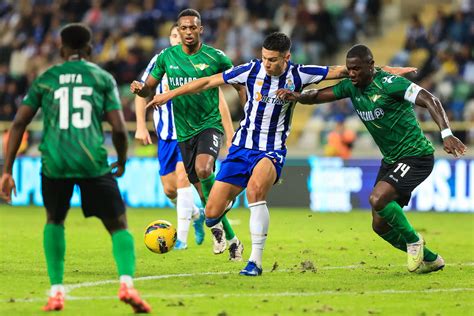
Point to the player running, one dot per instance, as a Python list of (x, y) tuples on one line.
[(74, 96), (258, 150), (384, 103), (197, 119)]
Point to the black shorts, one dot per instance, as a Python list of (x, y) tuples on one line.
[(209, 142), (100, 196), (405, 175)]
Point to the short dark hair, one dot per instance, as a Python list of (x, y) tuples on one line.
[(189, 12), (360, 51), (76, 35), (277, 41), (173, 26)]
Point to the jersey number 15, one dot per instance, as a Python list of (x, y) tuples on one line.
[(78, 119)]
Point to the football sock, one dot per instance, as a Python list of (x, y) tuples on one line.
[(394, 215), (57, 288), (259, 222), (127, 279), (394, 238), (54, 244), (206, 185), (229, 232), (184, 209), (124, 252), (196, 212)]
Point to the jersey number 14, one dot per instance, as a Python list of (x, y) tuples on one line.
[(78, 119)]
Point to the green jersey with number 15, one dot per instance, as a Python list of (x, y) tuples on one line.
[(385, 107), (73, 97)]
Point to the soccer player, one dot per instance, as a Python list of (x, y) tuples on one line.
[(173, 176), (258, 150), (384, 103), (197, 118), (74, 97)]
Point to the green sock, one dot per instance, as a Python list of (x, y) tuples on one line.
[(394, 238), (124, 252), (229, 232), (206, 185), (393, 214), (54, 245)]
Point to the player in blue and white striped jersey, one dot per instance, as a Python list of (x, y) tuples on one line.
[(173, 175), (258, 150)]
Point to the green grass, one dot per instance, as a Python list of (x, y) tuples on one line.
[(377, 284)]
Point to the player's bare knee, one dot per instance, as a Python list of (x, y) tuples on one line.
[(211, 211), (255, 192), (203, 172), (376, 201)]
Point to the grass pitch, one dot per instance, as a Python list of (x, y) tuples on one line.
[(314, 263)]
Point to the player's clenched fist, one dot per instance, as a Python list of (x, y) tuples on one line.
[(136, 87)]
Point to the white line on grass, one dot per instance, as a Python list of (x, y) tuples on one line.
[(71, 287), (254, 294)]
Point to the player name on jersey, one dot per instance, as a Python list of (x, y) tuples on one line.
[(70, 78)]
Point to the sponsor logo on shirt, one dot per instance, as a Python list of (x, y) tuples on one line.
[(376, 114), (267, 99)]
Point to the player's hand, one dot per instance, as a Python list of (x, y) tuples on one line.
[(287, 95), (136, 87), (7, 185), (117, 169), (142, 134), (400, 71), (452, 145), (159, 99)]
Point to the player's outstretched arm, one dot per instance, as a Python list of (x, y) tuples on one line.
[(22, 118), (144, 89), (119, 139), (452, 145), (339, 72), (141, 131), (192, 87), (226, 119), (311, 96)]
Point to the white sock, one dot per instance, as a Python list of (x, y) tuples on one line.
[(259, 222), (233, 240), (196, 212), (184, 209), (127, 279), (56, 288)]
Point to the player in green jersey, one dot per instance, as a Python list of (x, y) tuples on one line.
[(384, 103), (74, 97), (197, 118)]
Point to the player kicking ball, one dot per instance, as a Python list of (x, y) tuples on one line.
[(74, 96), (258, 150), (384, 103)]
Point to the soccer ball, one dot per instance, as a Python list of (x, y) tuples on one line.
[(160, 236)]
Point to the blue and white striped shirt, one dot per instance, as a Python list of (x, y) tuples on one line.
[(163, 116), (267, 120)]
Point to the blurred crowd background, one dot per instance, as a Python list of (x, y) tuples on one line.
[(126, 34)]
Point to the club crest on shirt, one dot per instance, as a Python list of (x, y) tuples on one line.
[(201, 66), (290, 85)]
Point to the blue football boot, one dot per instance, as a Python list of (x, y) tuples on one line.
[(198, 225), (251, 269), (180, 245)]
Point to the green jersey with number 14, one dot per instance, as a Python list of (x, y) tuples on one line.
[(196, 112), (385, 107), (73, 97)]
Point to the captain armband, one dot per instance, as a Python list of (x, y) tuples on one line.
[(412, 92)]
